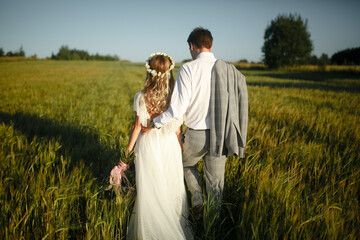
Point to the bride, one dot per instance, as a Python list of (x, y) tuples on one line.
[(160, 209)]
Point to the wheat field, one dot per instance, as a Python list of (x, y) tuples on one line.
[(63, 125)]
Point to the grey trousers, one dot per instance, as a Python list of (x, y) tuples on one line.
[(196, 147)]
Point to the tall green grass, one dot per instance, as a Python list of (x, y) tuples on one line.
[(63, 124)]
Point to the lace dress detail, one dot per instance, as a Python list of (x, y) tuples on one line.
[(160, 208)]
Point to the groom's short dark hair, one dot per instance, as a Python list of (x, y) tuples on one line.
[(201, 38)]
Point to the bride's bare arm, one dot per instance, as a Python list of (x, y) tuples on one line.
[(135, 130)]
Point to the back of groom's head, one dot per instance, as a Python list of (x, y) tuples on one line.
[(201, 38)]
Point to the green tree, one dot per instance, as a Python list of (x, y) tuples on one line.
[(64, 53), (10, 54), (21, 52), (313, 60), (287, 42), (324, 59), (2, 53)]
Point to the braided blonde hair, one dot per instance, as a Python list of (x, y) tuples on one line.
[(158, 87)]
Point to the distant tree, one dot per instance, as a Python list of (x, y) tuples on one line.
[(324, 60), (350, 56), (243, 61), (321, 61), (64, 53), (287, 41), (313, 60), (2, 53), (21, 52), (53, 56), (83, 55), (10, 54)]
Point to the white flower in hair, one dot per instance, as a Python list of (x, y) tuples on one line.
[(153, 72)]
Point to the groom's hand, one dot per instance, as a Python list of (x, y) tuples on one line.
[(145, 129)]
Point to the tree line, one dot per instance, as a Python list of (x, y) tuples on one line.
[(350, 56), (64, 53), (286, 43), (73, 54), (18, 53)]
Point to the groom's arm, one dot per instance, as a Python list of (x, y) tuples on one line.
[(180, 99)]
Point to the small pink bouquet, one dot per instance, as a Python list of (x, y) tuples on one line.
[(118, 172)]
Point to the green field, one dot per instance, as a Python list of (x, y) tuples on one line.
[(63, 124)]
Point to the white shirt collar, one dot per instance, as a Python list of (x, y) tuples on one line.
[(205, 55)]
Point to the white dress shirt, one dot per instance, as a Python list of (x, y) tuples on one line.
[(191, 95)]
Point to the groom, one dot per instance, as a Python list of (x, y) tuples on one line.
[(191, 98)]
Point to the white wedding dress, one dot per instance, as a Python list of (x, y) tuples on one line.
[(160, 209)]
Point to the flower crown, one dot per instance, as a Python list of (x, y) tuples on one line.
[(159, 74)]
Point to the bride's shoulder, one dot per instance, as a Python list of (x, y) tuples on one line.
[(139, 101), (138, 94)]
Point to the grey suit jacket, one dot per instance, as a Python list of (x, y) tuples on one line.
[(228, 111)]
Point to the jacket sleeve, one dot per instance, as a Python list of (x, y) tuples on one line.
[(243, 112)]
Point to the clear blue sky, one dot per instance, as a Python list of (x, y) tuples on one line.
[(133, 29)]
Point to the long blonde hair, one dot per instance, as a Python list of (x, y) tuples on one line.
[(158, 89)]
